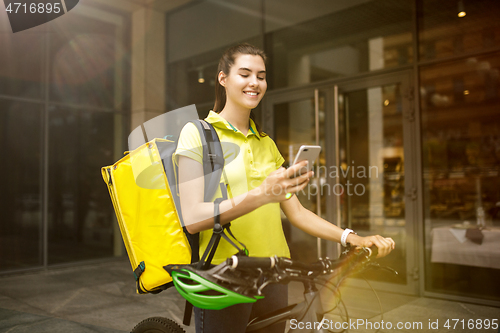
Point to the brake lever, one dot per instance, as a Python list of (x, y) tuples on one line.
[(376, 265)]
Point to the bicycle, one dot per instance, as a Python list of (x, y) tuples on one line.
[(241, 279)]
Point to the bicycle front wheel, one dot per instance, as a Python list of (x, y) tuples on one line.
[(157, 325)]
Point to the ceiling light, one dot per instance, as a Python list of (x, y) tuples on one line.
[(466, 92), (201, 79), (461, 9), (386, 102)]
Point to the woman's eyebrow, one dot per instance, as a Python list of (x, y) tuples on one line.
[(249, 70)]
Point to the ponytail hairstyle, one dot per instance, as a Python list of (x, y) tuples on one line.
[(225, 63)]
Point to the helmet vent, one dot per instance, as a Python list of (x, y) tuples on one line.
[(210, 293), (186, 280)]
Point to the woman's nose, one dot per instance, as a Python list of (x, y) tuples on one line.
[(253, 82)]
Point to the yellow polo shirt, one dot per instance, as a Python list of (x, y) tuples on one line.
[(249, 160)]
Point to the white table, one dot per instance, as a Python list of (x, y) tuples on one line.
[(447, 248)]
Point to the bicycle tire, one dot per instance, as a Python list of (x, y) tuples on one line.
[(157, 325)]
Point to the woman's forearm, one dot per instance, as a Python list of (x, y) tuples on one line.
[(201, 215), (314, 225)]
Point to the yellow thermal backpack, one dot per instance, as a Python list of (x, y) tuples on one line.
[(143, 189)]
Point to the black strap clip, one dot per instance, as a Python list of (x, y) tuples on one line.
[(218, 229), (139, 270)]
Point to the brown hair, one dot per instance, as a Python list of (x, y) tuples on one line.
[(225, 64)]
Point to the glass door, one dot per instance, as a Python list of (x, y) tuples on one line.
[(366, 177), (375, 170)]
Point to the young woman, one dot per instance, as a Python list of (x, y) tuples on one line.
[(257, 188)]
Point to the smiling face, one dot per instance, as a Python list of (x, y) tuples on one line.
[(246, 82)]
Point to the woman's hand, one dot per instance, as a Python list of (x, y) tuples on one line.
[(384, 244), (282, 181)]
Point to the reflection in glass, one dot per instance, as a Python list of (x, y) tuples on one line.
[(80, 212), (21, 63), (371, 36), (85, 62), (461, 163), (20, 176), (444, 34), (372, 169), (295, 126)]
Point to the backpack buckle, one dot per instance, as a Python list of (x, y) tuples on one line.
[(218, 229)]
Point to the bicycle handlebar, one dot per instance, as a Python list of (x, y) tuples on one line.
[(322, 265), (271, 262), (249, 275)]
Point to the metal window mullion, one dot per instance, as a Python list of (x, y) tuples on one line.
[(45, 153), (24, 99), (86, 107), (337, 159), (318, 178), (418, 206)]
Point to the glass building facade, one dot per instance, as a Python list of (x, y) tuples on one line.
[(64, 105), (403, 96)]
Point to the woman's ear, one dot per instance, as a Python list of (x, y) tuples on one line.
[(222, 78)]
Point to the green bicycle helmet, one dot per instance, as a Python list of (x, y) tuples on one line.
[(194, 285)]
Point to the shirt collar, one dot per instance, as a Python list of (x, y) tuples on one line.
[(217, 121)]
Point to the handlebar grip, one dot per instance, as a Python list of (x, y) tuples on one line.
[(251, 262)]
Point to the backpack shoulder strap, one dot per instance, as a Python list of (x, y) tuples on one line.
[(213, 157), (213, 165)]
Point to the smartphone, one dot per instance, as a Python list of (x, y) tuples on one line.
[(309, 153)]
